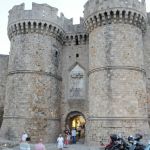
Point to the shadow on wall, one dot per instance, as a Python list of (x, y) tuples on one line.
[(9, 135), (1, 115)]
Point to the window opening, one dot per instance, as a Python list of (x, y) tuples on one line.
[(77, 55)]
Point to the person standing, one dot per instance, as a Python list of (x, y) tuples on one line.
[(40, 145), (24, 136), (73, 134), (60, 142), (67, 136), (24, 145)]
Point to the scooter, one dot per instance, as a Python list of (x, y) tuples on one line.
[(148, 146), (135, 142), (117, 143)]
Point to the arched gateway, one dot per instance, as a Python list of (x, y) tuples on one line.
[(58, 71), (76, 120)]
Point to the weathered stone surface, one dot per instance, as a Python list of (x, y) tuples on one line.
[(147, 61), (98, 69), (117, 86), (3, 78)]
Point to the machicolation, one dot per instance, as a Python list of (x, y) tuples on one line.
[(93, 76)]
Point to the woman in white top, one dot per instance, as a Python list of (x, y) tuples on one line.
[(24, 136), (60, 142)]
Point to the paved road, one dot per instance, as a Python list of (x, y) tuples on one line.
[(78, 146), (69, 147)]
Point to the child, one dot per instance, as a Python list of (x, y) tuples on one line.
[(60, 142), (40, 145)]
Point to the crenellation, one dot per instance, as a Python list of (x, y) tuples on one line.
[(17, 8), (58, 71), (116, 16), (92, 6), (39, 12), (41, 19), (69, 27), (37, 27), (24, 21), (76, 39)]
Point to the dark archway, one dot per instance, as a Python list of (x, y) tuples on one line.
[(76, 120)]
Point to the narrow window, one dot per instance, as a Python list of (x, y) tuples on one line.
[(56, 54), (76, 40), (77, 55)]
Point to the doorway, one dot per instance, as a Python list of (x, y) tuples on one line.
[(76, 120)]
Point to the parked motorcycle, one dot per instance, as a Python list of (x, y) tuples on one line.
[(118, 143), (135, 142), (147, 146)]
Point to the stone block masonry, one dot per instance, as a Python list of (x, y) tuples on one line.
[(97, 70)]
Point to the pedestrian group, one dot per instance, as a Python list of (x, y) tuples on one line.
[(69, 137)]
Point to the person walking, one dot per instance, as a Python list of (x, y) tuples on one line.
[(40, 145), (60, 142)]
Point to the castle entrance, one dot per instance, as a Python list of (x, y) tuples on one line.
[(76, 120)]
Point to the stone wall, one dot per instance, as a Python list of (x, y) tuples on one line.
[(74, 54), (146, 38), (33, 92), (3, 78), (95, 68), (117, 82), (116, 85), (33, 95)]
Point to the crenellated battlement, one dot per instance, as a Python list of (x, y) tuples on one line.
[(101, 5), (42, 12), (102, 12), (41, 19), (76, 39)]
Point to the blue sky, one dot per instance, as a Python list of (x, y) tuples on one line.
[(70, 8)]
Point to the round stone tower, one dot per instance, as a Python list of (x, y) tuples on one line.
[(34, 79), (117, 90)]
